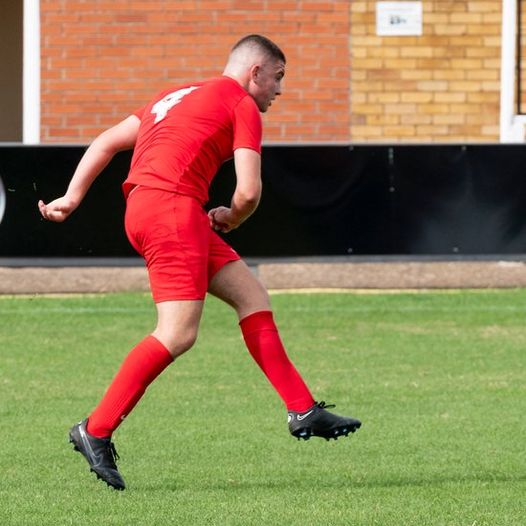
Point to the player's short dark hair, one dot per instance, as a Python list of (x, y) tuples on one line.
[(263, 43)]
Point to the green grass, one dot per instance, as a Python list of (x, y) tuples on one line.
[(439, 380)]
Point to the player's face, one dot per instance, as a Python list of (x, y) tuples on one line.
[(266, 83)]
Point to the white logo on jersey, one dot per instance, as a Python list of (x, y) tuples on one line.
[(162, 107)]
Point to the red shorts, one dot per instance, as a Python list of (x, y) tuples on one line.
[(172, 232)]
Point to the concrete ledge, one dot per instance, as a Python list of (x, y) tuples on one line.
[(46, 280), (395, 275), (281, 275)]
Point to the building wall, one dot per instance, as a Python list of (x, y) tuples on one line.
[(102, 59), (443, 86)]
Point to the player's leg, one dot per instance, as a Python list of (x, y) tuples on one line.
[(175, 333), (167, 231), (178, 324), (171, 232), (235, 284)]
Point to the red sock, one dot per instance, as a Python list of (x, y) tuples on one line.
[(140, 368), (263, 341)]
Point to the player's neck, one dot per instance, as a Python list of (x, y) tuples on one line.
[(240, 79)]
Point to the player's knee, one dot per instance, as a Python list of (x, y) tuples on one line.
[(184, 342), (188, 340), (178, 342)]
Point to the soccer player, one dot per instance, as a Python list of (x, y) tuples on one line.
[(180, 140)]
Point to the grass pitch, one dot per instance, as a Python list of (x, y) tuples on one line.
[(439, 380)]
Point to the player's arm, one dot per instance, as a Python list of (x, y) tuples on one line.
[(246, 196), (120, 137)]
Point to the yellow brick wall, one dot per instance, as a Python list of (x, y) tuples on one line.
[(443, 86)]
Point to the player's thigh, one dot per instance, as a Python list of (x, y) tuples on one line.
[(236, 284)]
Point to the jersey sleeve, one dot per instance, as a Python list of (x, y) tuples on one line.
[(139, 112), (248, 130)]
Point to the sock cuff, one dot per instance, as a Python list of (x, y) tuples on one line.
[(262, 320), (155, 346)]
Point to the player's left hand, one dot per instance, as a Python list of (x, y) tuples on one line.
[(221, 220)]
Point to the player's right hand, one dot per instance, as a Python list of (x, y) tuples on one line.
[(57, 210), (220, 219)]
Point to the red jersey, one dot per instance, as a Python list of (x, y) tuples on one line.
[(188, 132)]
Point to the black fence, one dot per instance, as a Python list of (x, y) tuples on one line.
[(317, 200)]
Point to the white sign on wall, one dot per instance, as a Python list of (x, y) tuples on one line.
[(399, 18)]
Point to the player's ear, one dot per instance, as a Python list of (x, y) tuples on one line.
[(254, 72)]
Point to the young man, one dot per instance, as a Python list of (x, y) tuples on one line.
[(180, 140)]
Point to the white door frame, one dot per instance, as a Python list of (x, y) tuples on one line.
[(31, 73), (512, 126)]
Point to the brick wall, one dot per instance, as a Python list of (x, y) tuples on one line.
[(441, 87), (101, 59)]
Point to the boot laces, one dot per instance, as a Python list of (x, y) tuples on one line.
[(323, 405), (113, 452)]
